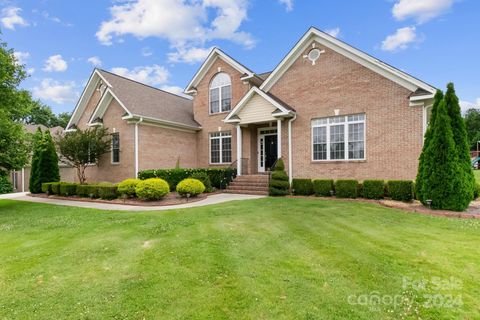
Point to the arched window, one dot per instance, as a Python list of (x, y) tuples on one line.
[(220, 93)]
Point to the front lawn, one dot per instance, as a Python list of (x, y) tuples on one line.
[(477, 175), (258, 259)]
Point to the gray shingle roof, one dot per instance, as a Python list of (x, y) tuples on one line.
[(146, 101)]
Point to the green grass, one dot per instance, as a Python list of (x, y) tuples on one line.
[(477, 175), (258, 259)]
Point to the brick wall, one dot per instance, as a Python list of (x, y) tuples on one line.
[(394, 130)]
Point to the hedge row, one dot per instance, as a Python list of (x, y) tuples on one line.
[(401, 190), (102, 190), (219, 177)]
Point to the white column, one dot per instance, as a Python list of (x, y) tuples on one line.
[(239, 150), (279, 138), (23, 179), (136, 150), (290, 160)]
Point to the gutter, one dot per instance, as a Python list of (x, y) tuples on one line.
[(136, 146)]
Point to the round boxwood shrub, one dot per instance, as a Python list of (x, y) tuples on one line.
[(190, 186), (205, 179), (374, 189), (152, 189), (127, 187)]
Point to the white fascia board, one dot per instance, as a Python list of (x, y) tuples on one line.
[(101, 106), (421, 98), (348, 51), (212, 56), (165, 123)]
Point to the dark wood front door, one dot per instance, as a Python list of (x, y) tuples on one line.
[(270, 151)]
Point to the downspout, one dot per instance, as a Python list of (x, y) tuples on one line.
[(136, 146), (290, 164)]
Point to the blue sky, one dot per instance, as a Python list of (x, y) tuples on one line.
[(162, 42)]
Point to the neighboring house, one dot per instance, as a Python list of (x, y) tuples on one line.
[(20, 179), (328, 109)]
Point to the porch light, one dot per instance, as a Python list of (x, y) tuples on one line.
[(429, 203)]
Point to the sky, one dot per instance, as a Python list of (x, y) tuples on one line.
[(163, 42)]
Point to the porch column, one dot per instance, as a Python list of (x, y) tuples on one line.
[(279, 138), (239, 150)]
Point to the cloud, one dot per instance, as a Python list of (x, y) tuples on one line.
[(152, 75), (288, 4), (191, 55), (11, 16), (420, 10), (147, 52), (95, 61), (466, 105), (400, 40), (55, 91), (55, 63), (21, 57), (185, 24), (175, 90), (335, 32)]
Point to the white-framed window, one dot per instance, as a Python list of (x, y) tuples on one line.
[(115, 147), (220, 93), (220, 147), (338, 138)]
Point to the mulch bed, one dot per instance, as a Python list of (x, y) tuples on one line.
[(473, 211), (170, 199)]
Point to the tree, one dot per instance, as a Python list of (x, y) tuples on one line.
[(48, 161), (35, 185), (467, 183), (42, 114), (62, 119), (442, 174), (472, 124), (14, 104), (83, 147), (419, 182)]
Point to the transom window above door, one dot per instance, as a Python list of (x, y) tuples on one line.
[(339, 138), (220, 93)]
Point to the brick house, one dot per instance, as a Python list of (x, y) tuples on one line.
[(328, 110)]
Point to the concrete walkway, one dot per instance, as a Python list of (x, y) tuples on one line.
[(213, 199)]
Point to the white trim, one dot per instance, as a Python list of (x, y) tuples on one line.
[(23, 179), (212, 56), (136, 149), (279, 138), (161, 123), (248, 96), (290, 159), (315, 35), (111, 158), (102, 106), (346, 124), (220, 89), (239, 150), (261, 168), (87, 93)]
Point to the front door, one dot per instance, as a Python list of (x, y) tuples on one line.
[(270, 151)]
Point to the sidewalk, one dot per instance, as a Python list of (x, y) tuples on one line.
[(213, 199)]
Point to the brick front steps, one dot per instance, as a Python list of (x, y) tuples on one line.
[(249, 184)]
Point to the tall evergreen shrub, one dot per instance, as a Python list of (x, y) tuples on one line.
[(48, 170), (466, 185), (35, 185)]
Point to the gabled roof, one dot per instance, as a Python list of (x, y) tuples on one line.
[(216, 53), (411, 83), (138, 100), (282, 109)]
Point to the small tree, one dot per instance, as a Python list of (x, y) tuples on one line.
[(442, 174), (279, 185), (83, 147), (48, 170), (35, 184), (423, 161), (467, 183)]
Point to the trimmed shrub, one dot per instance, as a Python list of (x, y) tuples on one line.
[(55, 187), (127, 187), (346, 188), (107, 191), (5, 185), (401, 190), (323, 187), (279, 184), (204, 178), (152, 189), (68, 189), (302, 187), (47, 187), (219, 177), (190, 186), (82, 190), (92, 191), (373, 189)]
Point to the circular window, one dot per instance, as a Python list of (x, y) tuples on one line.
[(314, 54)]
